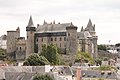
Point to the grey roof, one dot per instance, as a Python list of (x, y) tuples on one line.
[(96, 74), (17, 68), (20, 69), (3, 37), (84, 35), (19, 75), (52, 27), (23, 75), (30, 23), (90, 27), (62, 70), (39, 69)]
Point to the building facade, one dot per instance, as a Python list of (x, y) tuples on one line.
[(16, 45), (3, 42), (64, 35)]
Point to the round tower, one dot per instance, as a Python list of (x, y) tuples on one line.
[(30, 37), (72, 46)]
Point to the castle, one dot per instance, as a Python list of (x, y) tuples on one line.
[(63, 35)]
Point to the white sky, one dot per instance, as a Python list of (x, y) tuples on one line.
[(105, 14)]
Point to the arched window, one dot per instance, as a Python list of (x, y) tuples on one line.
[(20, 48)]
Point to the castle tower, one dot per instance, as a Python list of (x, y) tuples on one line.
[(91, 29), (71, 44), (30, 37), (12, 37)]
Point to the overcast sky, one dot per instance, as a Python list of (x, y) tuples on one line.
[(105, 14)]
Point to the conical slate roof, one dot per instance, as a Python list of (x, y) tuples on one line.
[(90, 27), (82, 29), (30, 23), (89, 23)]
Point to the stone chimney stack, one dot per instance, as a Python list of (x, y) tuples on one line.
[(78, 74)]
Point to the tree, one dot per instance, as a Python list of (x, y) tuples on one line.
[(50, 52), (98, 61), (102, 47), (106, 68), (36, 60), (117, 45), (43, 77), (84, 57), (2, 54)]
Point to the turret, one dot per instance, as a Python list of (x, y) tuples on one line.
[(82, 29), (91, 28), (18, 30), (30, 37), (71, 47)]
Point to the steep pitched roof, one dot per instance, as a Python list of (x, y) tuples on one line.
[(89, 23), (82, 28), (90, 27), (30, 23), (52, 27), (84, 35)]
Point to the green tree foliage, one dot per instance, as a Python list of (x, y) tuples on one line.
[(106, 68), (102, 47), (50, 52), (117, 45), (2, 54), (36, 60), (98, 61), (84, 57), (43, 77)]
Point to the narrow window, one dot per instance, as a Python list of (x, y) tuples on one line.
[(37, 39), (64, 38), (51, 39), (68, 34), (41, 39), (55, 39), (20, 48), (60, 39), (60, 44)]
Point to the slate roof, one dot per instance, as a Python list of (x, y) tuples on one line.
[(89, 27), (39, 69), (17, 68), (97, 74), (52, 27), (30, 23), (24, 75), (62, 70), (83, 35), (19, 75)]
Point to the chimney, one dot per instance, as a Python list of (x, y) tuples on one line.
[(78, 74)]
